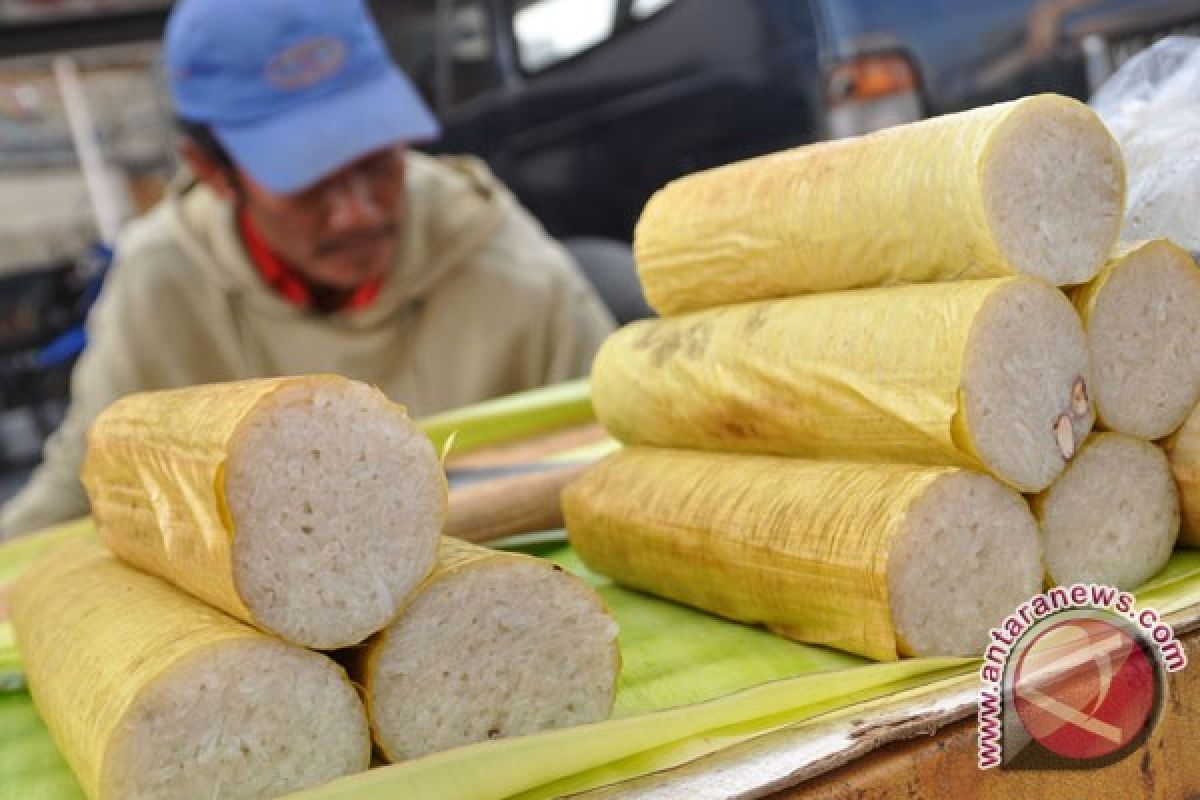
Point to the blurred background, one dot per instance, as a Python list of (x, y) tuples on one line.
[(583, 107)]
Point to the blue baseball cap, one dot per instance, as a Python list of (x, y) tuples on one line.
[(294, 89)]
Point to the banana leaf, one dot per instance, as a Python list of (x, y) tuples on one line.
[(510, 418)]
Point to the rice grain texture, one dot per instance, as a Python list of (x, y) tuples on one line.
[(493, 645), (1142, 316), (1112, 517)]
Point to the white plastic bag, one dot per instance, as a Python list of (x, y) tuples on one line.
[(1152, 106)]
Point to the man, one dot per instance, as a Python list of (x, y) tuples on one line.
[(309, 239)]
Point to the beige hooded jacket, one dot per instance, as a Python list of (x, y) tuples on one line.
[(481, 303)]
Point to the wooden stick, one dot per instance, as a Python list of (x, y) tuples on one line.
[(532, 449), (508, 506)]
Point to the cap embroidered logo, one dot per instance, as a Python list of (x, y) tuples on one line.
[(306, 63)]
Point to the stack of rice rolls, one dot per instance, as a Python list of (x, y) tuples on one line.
[(865, 415), (246, 530)]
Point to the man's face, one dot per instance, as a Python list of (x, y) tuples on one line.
[(341, 232)]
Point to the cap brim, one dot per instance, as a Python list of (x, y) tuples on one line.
[(293, 150)]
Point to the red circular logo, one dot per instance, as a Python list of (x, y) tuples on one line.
[(1085, 688)]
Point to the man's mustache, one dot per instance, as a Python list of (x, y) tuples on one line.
[(351, 240)]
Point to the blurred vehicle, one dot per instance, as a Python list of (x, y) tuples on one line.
[(41, 317), (585, 107)]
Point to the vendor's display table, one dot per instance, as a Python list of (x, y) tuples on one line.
[(709, 708)]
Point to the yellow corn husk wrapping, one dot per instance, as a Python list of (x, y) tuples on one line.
[(156, 471), (799, 546), (903, 205), (454, 558), (871, 375), (155, 475), (1183, 451), (96, 636)]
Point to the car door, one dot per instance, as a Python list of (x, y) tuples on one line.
[(455, 54), (617, 97), (586, 107)]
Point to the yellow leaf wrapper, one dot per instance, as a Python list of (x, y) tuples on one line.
[(879, 560), (309, 507), (150, 693), (975, 373)]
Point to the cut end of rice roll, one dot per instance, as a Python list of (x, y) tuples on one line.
[(966, 555), (1112, 517), (255, 718), (1183, 453), (493, 645), (1025, 384), (149, 693), (1053, 189), (336, 501), (1142, 316)]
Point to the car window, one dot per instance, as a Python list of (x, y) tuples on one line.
[(641, 9), (474, 69), (550, 31), (445, 46)]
